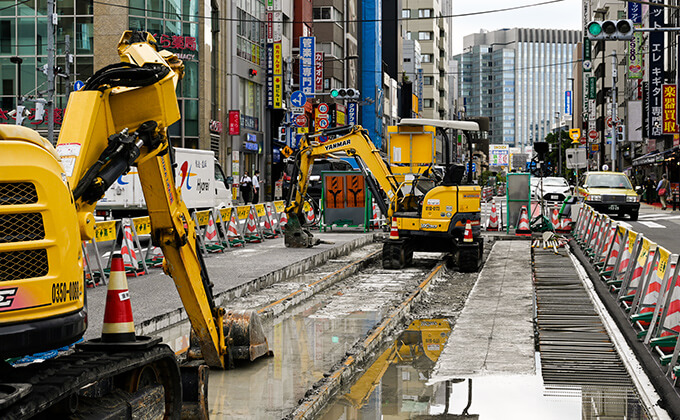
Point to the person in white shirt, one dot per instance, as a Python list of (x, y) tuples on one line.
[(256, 187), (246, 187)]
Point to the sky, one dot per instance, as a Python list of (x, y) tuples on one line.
[(563, 14)]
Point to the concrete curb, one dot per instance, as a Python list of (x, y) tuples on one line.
[(325, 389), (158, 322)]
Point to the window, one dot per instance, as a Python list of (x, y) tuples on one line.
[(428, 103), (425, 36), (331, 48), (406, 13), (425, 13), (407, 60), (327, 13), (409, 35), (428, 80), (427, 58)]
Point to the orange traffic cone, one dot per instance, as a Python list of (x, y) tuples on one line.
[(128, 249), (523, 228), (283, 220), (565, 225), (555, 219), (394, 230), (211, 231), (233, 236), (309, 215), (493, 218), (252, 236), (118, 324), (467, 236)]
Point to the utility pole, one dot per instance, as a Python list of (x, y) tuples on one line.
[(51, 52), (614, 110)]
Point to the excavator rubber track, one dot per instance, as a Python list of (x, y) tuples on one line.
[(57, 383)]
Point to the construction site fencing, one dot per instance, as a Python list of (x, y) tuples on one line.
[(217, 231), (644, 279)]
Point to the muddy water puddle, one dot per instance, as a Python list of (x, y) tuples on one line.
[(397, 386), (305, 346)]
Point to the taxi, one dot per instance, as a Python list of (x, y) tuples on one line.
[(610, 193)]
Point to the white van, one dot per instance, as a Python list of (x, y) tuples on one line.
[(198, 175)]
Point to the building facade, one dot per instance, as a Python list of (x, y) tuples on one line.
[(517, 78)]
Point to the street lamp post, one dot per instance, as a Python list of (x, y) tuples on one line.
[(558, 134)]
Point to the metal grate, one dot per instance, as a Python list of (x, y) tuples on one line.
[(17, 265), (21, 227), (17, 193), (574, 344)]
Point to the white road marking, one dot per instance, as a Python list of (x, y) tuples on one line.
[(660, 216), (651, 224)]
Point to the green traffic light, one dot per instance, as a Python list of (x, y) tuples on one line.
[(594, 28), (334, 93)]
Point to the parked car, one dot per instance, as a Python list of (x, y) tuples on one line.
[(552, 189), (611, 193)]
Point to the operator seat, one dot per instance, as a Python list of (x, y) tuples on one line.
[(454, 175)]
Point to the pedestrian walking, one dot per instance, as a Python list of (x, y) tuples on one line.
[(246, 187), (256, 187), (649, 190), (663, 189)]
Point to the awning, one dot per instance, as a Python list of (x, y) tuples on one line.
[(648, 159)]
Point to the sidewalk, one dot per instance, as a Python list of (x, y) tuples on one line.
[(156, 303)]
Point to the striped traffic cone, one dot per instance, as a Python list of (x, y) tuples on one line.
[(232, 234), (252, 235), (492, 225), (309, 215), (154, 257), (269, 232), (118, 323), (467, 236), (523, 228), (283, 220), (565, 225), (394, 230), (212, 241), (555, 219), (128, 252)]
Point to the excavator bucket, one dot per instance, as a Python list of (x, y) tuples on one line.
[(245, 336), (295, 236)]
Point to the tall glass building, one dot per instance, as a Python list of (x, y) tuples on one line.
[(518, 78)]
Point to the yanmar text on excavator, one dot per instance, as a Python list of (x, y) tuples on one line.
[(427, 211), (47, 198)]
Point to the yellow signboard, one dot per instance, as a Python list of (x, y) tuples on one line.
[(203, 217), (226, 214), (259, 208), (105, 231), (278, 91), (575, 133), (142, 225), (242, 212), (279, 206)]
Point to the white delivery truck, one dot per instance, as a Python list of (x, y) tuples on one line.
[(198, 175)]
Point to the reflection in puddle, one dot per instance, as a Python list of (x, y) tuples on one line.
[(305, 346), (395, 387)]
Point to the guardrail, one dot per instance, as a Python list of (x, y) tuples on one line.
[(643, 278)]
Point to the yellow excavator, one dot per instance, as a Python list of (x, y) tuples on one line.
[(428, 213), (47, 198)]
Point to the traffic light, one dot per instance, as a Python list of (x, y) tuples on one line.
[(610, 30), (620, 132), (345, 93)]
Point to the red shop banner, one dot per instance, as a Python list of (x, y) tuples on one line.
[(234, 123), (670, 111)]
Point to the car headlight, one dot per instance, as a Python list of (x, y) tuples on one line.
[(594, 198), (632, 198)]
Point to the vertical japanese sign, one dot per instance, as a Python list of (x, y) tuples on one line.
[(352, 113), (234, 123), (419, 89), (277, 76), (270, 75), (270, 27), (670, 112), (567, 103), (318, 71), (307, 47), (635, 45), (656, 77)]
